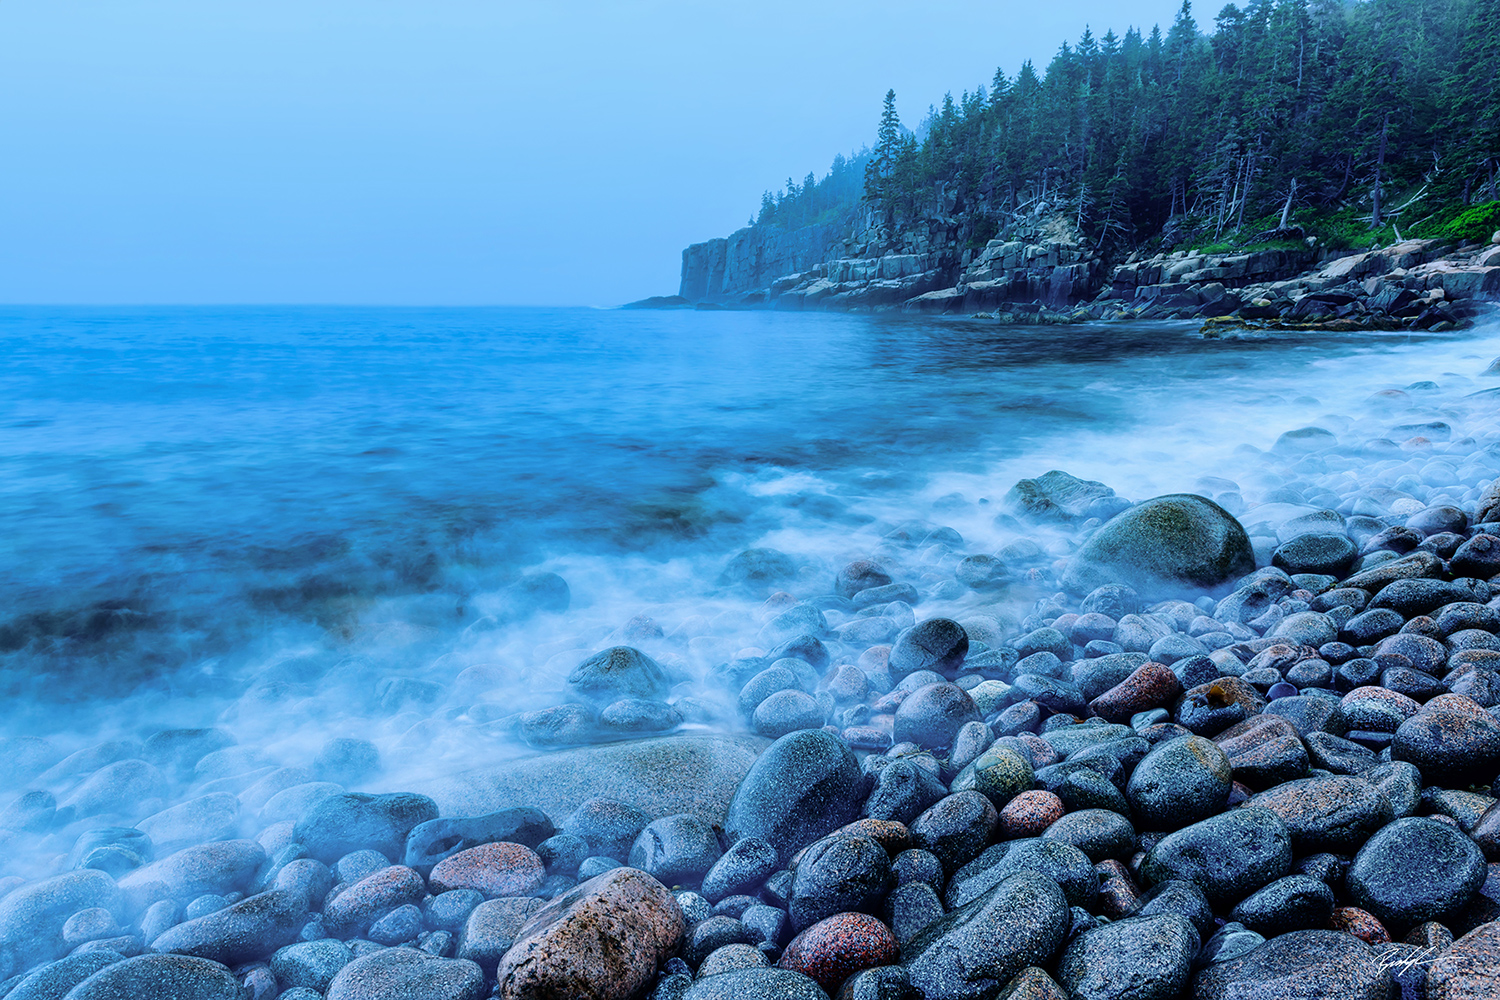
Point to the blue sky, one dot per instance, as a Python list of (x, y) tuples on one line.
[(558, 152)]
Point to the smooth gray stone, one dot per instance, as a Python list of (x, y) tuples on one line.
[(660, 777)]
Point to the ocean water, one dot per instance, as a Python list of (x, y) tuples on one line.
[(273, 520)]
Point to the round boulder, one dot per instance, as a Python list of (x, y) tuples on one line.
[(1164, 547)]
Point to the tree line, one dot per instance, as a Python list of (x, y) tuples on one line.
[(1363, 119)]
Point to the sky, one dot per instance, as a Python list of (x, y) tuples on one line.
[(448, 152)]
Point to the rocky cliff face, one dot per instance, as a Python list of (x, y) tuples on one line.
[(750, 259)]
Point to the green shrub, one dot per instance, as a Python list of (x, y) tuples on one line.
[(1476, 225)]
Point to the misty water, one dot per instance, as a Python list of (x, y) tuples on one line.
[(304, 523)]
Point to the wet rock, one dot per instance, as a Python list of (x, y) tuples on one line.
[(785, 712), (1322, 552), (931, 716), (1179, 782), (1334, 813), (180, 977), (1177, 897), (1294, 903), (1415, 869), (1312, 963), (347, 761), (1162, 547), (732, 958), (837, 947), (1228, 856), (119, 788), (675, 849), (805, 785), (1452, 746), (1055, 496), (756, 984), (956, 828), (1470, 968), (1150, 685), (310, 964), (356, 821), (977, 949), (742, 868), (407, 972), (242, 932), (758, 568), (862, 574), (1144, 958), (706, 936), (911, 909), (493, 869), (1098, 833), (1028, 814), (491, 929), (836, 874), (176, 751), (32, 916), (638, 717), (356, 907), (208, 817), (53, 980), (432, 841), (619, 672), (1061, 862), (937, 644), (602, 940)]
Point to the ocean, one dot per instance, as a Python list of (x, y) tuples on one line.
[(287, 521)]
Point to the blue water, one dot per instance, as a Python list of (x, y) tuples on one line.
[(189, 492)]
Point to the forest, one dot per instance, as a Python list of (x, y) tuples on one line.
[(1357, 123)]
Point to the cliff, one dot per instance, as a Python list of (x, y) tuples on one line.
[(750, 259)]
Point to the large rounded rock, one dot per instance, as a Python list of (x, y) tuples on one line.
[(1329, 553), (659, 777), (242, 932), (1145, 958), (836, 874), (1179, 782), (406, 972), (936, 644), (837, 947), (676, 849), (180, 977), (32, 916), (494, 869), (55, 979), (1228, 856), (1451, 745), (619, 672), (1302, 965), (601, 940), (312, 964), (806, 785), (208, 869), (492, 927), (342, 824), (931, 716), (1164, 547), (1335, 813), (977, 949), (1415, 869)]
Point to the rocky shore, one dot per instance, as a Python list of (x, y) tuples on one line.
[(1242, 742), (1416, 284)]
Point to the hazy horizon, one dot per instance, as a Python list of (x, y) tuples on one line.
[(379, 153)]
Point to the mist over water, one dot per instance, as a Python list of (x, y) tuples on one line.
[(304, 523)]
